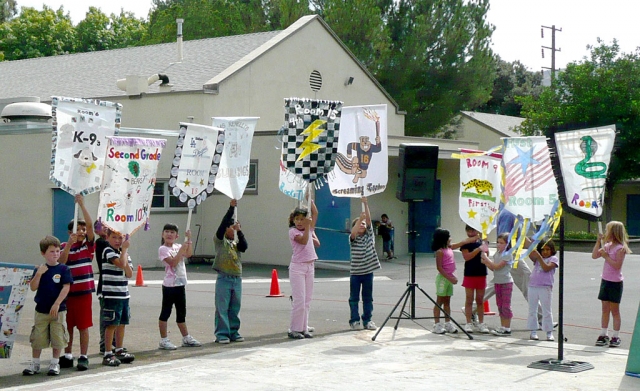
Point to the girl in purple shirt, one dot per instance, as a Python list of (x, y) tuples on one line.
[(545, 263)]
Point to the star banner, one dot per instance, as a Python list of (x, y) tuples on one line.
[(129, 180), (480, 187), (310, 142), (362, 160), (196, 162), (233, 175), (14, 287), (79, 142), (583, 157)]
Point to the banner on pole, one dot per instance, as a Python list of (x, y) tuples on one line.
[(310, 142), (233, 175), (291, 184), (79, 138), (583, 158), (129, 180), (14, 285), (196, 162), (362, 159)]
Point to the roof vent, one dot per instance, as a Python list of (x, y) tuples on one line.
[(26, 111), (315, 81)]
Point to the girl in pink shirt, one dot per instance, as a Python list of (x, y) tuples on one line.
[(612, 247)]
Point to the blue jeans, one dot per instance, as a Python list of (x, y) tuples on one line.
[(366, 282), (228, 301)]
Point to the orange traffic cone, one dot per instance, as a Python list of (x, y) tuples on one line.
[(487, 310), (275, 285), (140, 277)]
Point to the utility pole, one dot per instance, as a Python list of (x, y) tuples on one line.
[(552, 48)]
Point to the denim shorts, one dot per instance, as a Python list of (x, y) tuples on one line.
[(116, 312)]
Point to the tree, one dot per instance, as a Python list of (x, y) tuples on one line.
[(37, 34), (440, 60), (513, 80), (601, 90), (98, 31), (8, 9)]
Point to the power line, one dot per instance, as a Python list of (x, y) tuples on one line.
[(552, 48)]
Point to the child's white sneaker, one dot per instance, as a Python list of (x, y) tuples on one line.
[(32, 369), (450, 328), (189, 341), (438, 328), (533, 336), (468, 328), (550, 336), (483, 328), (165, 344)]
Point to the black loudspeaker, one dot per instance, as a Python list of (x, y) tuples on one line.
[(417, 166)]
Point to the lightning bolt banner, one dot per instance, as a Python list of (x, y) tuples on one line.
[(233, 175), (581, 162), (480, 189), (14, 286), (80, 131), (196, 163), (310, 142), (362, 160), (128, 183)]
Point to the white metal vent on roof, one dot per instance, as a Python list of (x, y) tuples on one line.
[(315, 81)]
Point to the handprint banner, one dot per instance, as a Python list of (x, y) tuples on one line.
[(14, 286), (129, 180), (362, 159), (310, 141), (80, 131), (583, 157), (196, 162), (233, 175)]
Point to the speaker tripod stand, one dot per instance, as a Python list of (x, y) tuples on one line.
[(409, 294)]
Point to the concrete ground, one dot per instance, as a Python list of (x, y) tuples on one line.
[(411, 358)]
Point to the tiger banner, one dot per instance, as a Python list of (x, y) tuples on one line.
[(480, 188), (14, 286), (80, 131), (310, 140), (233, 175), (362, 159), (583, 158), (129, 179)]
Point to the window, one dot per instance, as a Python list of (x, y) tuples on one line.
[(252, 185), (163, 200)]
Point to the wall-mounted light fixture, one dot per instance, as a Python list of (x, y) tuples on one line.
[(349, 81)]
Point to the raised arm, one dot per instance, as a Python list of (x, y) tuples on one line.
[(87, 218), (365, 202), (595, 254), (227, 220)]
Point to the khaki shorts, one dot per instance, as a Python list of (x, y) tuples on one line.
[(49, 332)]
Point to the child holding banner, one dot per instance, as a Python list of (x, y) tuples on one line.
[(475, 278), (228, 264), (502, 282), (78, 255), (52, 282), (545, 263), (364, 260), (172, 256), (301, 269), (614, 250)]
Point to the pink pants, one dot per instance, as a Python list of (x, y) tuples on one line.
[(503, 299), (301, 277)]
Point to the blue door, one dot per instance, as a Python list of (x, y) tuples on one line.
[(63, 210), (425, 215), (633, 214), (333, 226)]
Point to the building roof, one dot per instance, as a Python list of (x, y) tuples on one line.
[(504, 124)]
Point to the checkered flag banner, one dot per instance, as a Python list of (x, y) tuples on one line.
[(310, 141)]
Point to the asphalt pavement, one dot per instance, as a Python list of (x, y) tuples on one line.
[(410, 357)]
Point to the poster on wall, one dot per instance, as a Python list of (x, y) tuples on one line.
[(480, 189), (79, 142), (129, 179), (233, 175), (14, 285), (362, 159)]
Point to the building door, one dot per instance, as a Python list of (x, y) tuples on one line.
[(333, 226), (633, 214), (63, 210), (426, 217)]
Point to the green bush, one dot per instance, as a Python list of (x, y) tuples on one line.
[(577, 235)]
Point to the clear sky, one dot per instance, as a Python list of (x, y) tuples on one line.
[(518, 22)]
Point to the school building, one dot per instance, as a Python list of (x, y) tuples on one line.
[(246, 75)]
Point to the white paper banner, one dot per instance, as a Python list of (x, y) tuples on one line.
[(291, 184), (529, 188), (480, 177), (196, 162), (233, 175), (80, 131), (129, 180), (584, 157), (14, 285), (362, 161)]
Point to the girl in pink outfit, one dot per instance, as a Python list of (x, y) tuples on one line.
[(612, 247), (301, 270)]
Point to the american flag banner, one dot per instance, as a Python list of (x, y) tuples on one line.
[(310, 142)]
